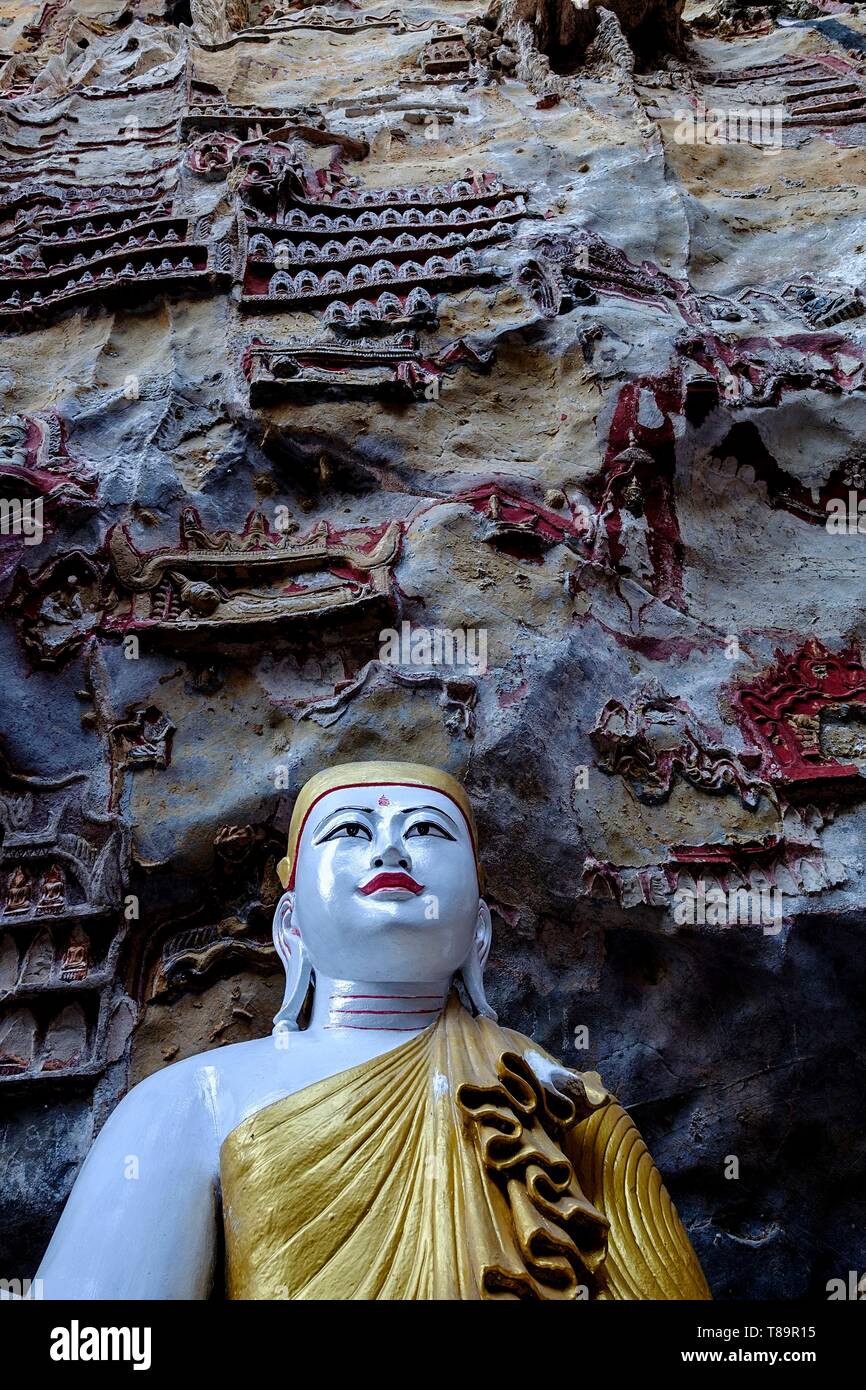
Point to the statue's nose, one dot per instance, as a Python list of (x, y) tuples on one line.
[(394, 857)]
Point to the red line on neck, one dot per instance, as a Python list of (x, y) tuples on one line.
[(407, 997), (359, 1028), (382, 1013)]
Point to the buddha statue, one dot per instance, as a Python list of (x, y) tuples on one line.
[(52, 893), (18, 893), (386, 1141)]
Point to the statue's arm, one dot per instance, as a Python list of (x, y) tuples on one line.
[(140, 1221), (649, 1254)]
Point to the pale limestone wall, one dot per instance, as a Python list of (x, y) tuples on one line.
[(623, 486)]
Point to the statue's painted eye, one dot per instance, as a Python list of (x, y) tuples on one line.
[(349, 830), (428, 827)]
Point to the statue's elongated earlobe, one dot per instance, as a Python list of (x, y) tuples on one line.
[(472, 970), (293, 953)]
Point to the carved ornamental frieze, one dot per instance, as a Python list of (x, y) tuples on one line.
[(396, 366), (210, 584), (656, 740), (225, 581), (270, 20)]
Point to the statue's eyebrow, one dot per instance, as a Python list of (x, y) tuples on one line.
[(410, 811), (340, 811)]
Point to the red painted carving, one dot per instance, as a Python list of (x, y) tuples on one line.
[(786, 708), (514, 523), (638, 488), (210, 584), (34, 459), (760, 370)]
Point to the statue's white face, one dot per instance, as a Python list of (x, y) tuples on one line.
[(386, 886)]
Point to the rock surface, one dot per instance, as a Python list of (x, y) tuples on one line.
[(542, 324)]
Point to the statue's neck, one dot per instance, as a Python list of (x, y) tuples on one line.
[(354, 1004)]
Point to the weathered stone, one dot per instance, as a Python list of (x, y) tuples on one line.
[(547, 325)]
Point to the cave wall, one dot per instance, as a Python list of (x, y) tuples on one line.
[(603, 428)]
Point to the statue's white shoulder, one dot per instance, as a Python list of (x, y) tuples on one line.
[(209, 1092)]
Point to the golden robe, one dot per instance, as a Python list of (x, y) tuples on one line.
[(457, 1166)]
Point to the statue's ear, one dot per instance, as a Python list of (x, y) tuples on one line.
[(483, 932), (283, 927), (473, 966), (290, 948)]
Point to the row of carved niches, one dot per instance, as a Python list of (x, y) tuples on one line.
[(819, 91), (59, 853), (74, 1029), (103, 252), (210, 584), (63, 868), (54, 958), (445, 54), (45, 1036), (209, 111), (366, 242)]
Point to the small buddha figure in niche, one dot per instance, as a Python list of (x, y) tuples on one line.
[(52, 892), (385, 1142), (18, 893), (76, 961)]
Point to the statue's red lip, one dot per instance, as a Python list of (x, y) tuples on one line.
[(395, 880)]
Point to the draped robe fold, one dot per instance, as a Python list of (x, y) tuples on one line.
[(464, 1164)]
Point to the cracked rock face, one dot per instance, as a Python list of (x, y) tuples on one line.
[(541, 346)]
